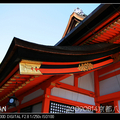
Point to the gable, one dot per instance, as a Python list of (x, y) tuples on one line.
[(74, 20)]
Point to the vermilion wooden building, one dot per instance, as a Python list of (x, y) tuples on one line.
[(81, 70)]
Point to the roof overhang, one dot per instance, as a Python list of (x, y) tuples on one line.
[(56, 58), (96, 18)]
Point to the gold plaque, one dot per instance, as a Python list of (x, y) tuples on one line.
[(29, 67)]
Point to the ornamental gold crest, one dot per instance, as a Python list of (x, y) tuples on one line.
[(85, 66)]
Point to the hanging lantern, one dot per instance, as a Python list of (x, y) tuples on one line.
[(12, 101)]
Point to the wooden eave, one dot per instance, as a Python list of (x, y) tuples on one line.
[(21, 49), (103, 17), (55, 60)]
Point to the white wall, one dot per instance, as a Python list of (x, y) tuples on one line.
[(110, 85), (59, 92), (109, 72), (69, 80), (32, 95), (87, 82)]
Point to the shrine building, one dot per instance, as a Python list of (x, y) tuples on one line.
[(79, 74)]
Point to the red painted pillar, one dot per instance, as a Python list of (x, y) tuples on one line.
[(96, 83), (46, 101), (18, 107), (97, 107), (116, 106), (96, 90), (75, 80)]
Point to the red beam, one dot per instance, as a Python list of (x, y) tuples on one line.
[(108, 35), (109, 68), (103, 37), (110, 32), (69, 102), (100, 39), (59, 63), (70, 70), (116, 28), (101, 58), (75, 80), (56, 71), (103, 63), (109, 75), (113, 30), (53, 79), (74, 89), (117, 24), (108, 97)]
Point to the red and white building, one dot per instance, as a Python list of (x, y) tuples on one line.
[(81, 71)]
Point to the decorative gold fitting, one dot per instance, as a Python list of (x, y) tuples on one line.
[(27, 82), (23, 84), (1, 89), (13, 91), (85, 66), (6, 85), (36, 76), (16, 76), (17, 89), (20, 87), (53, 84), (13, 79), (31, 79), (9, 82)]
